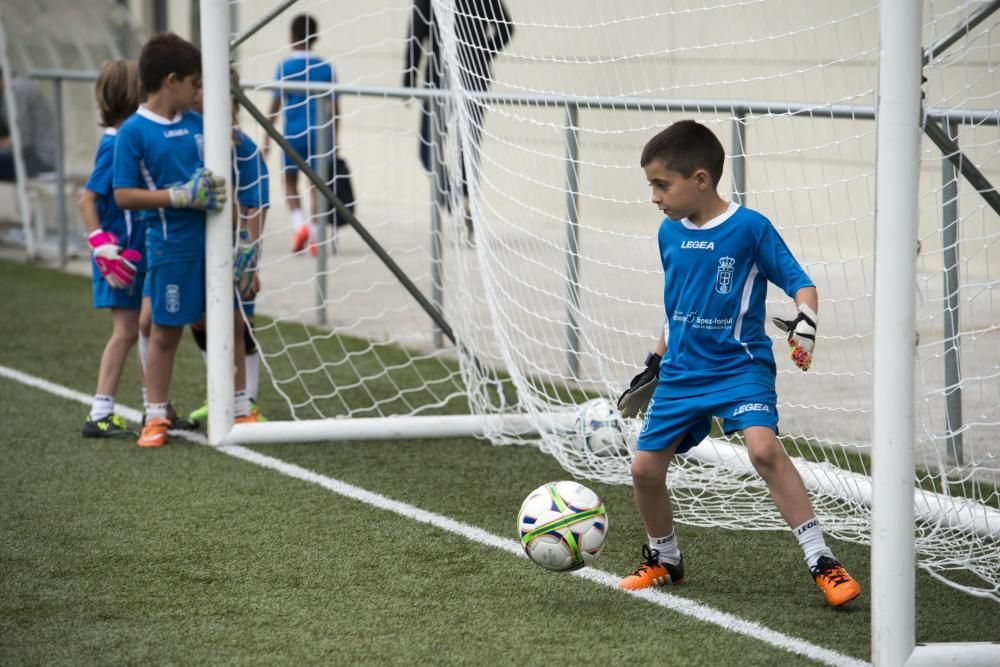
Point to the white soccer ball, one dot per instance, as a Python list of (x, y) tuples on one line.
[(601, 429), (562, 525)]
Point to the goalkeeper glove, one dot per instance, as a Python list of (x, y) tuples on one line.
[(116, 265), (801, 335), (635, 399), (245, 263), (204, 191)]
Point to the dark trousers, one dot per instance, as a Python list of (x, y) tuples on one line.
[(476, 111)]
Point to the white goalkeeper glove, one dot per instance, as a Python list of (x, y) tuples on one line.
[(635, 399), (116, 265), (204, 191), (801, 335)]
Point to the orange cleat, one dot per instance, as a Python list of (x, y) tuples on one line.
[(301, 238), (251, 418), (831, 577), (313, 249), (154, 432), (652, 572)]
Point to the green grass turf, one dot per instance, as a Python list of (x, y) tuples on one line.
[(113, 554)]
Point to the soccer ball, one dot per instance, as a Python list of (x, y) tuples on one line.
[(562, 525), (600, 429)]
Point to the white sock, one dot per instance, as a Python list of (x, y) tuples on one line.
[(102, 406), (145, 401), (810, 537), (252, 364), (241, 404), (143, 350), (156, 410), (667, 546), (298, 218)]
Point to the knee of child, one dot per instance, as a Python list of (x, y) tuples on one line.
[(764, 452), (646, 475)]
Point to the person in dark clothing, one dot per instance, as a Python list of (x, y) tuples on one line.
[(37, 126), (482, 28)]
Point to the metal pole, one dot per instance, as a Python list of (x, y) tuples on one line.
[(960, 31), (61, 172), (896, 214), (437, 197), (952, 340), (260, 23), (218, 228), (572, 242), (739, 156), (323, 149)]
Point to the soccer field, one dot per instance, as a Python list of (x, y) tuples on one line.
[(374, 553)]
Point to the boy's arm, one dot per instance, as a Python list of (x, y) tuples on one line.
[(272, 115), (88, 211), (203, 191)]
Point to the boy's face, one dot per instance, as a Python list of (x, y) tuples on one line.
[(185, 92), (674, 194)]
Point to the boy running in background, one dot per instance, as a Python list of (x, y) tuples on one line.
[(159, 164), (302, 120), (117, 239), (713, 357)]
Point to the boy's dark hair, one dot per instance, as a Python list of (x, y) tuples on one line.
[(685, 147), (164, 54), (305, 29)]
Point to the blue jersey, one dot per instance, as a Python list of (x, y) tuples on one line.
[(156, 153), (715, 285), (250, 174), (128, 226), (300, 105)]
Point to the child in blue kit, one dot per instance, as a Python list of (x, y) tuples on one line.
[(159, 165), (302, 123), (117, 239), (713, 358)]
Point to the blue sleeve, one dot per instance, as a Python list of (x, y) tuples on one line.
[(101, 175), (279, 74), (251, 175), (777, 263), (128, 158)]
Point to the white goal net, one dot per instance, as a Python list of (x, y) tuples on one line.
[(541, 250)]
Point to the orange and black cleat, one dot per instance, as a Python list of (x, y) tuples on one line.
[(652, 572), (837, 585), (154, 432)]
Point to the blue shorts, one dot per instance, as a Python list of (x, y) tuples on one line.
[(177, 290), (691, 416), (304, 145), (106, 296)]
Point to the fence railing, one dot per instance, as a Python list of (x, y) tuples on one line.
[(738, 111)]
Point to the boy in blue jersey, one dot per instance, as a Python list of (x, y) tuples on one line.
[(159, 164), (117, 239), (302, 119), (713, 357), (253, 197)]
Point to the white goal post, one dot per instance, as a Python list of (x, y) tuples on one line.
[(500, 271)]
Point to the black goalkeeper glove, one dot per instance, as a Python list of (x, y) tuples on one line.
[(635, 399)]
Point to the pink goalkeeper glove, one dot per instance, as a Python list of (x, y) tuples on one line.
[(116, 265)]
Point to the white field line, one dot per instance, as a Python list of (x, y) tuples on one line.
[(658, 597)]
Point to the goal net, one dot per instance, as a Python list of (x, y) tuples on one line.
[(520, 212)]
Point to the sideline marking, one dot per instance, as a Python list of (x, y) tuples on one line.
[(675, 603)]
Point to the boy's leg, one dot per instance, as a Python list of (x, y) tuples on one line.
[(102, 422), (792, 501), (163, 343)]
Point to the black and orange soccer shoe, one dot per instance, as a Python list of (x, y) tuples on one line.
[(652, 572), (837, 585)]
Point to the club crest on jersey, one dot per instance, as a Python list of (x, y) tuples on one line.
[(724, 278), (173, 298)]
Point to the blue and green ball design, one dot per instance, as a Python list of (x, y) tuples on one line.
[(563, 525)]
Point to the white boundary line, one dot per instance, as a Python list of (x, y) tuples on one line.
[(658, 597)]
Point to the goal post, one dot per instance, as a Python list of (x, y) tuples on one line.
[(500, 269)]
